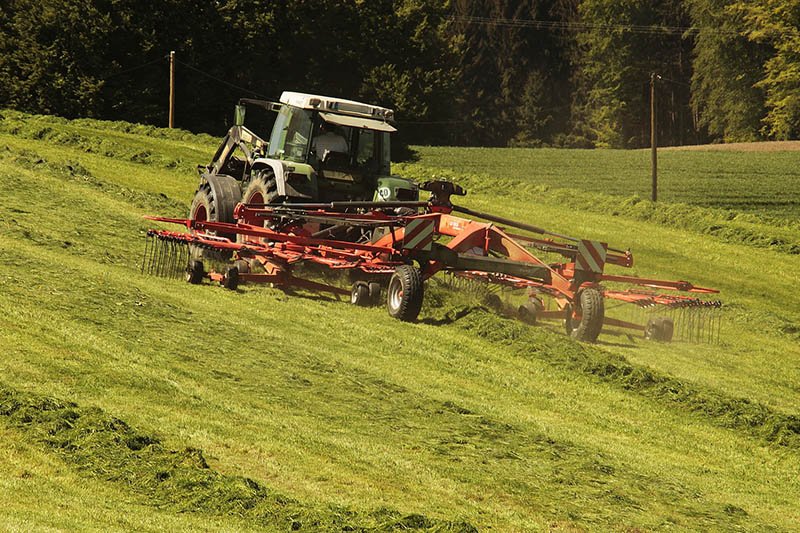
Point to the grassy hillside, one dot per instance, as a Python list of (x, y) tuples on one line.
[(154, 404)]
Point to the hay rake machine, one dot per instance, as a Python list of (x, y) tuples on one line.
[(394, 247)]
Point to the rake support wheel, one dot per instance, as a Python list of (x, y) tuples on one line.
[(359, 295), (231, 280), (585, 320), (374, 292), (659, 329), (529, 311), (195, 273), (405, 293)]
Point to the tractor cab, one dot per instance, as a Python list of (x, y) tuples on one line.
[(333, 149)]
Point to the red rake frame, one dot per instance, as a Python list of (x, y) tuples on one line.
[(438, 241)]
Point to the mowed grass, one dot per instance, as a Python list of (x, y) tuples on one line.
[(348, 412), (761, 183)]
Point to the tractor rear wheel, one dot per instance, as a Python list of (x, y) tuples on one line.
[(405, 293), (584, 318), (659, 329)]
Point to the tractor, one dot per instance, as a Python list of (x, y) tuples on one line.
[(288, 168)]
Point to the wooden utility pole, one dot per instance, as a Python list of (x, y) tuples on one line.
[(653, 139), (172, 89)]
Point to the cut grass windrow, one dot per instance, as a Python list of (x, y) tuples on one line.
[(106, 447), (741, 414)]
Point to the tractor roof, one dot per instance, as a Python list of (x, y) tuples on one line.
[(341, 106)]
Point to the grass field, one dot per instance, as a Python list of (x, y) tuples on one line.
[(134, 402), (761, 183)]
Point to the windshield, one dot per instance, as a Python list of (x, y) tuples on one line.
[(290, 134), (364, 149)]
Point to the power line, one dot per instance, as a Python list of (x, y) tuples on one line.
[(432, 121), (129, 70), (584, 26), (229, 84)]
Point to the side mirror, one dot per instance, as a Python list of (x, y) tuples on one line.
[(238, 115)]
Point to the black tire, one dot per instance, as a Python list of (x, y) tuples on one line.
[(262, 189), (374, 292), (215, 200), (242, 266), (591, 308), (528, 312), (493, 301), (359, 295), (405, 293), (195, 273), (231, 280), (659, 329)]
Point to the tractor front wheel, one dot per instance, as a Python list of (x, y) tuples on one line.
[(584, 318), (405, 293), (262, 189)]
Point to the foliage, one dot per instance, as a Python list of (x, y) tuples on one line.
[(727, 67), (776, 23), (480, 73), (614, 68)]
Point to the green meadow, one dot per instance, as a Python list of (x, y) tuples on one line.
[(133, 402)]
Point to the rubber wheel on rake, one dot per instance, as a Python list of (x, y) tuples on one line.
[(528, 311), (231, 280), (591, 310), (359, 295), (405, 293), (195, 273), (374, 292), (659, 329)]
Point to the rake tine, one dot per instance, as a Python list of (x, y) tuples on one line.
[(162, 259), (152, 257), (170, 259), (144, 257), (175, 253)]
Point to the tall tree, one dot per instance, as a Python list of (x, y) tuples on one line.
[(622, 44), (776, 24), (727, 67), (512, 71)]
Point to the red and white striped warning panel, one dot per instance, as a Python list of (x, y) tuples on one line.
[(418, 234), (591, 256)]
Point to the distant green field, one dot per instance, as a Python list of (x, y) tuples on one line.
[(761, 183), (139, 403)]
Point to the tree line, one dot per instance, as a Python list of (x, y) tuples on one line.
[(462, 72)]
